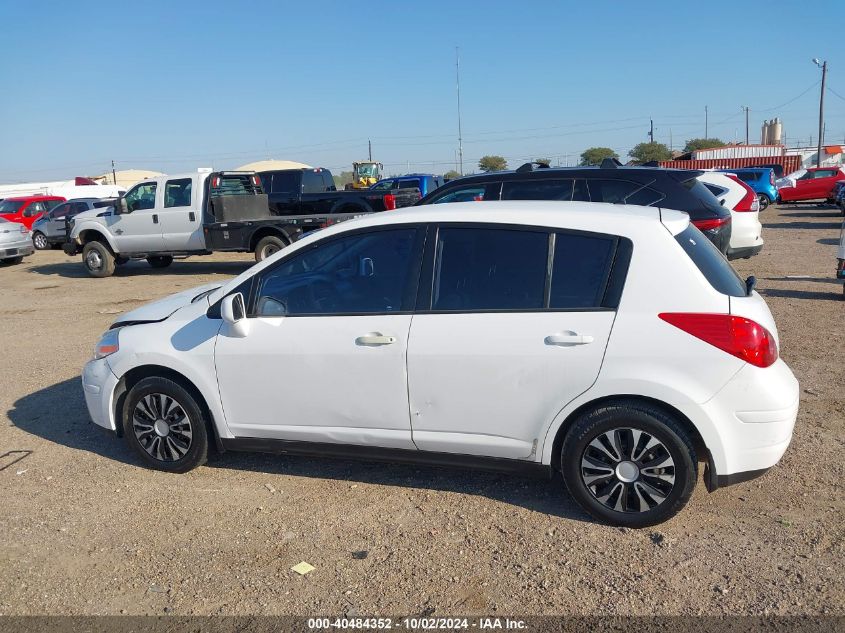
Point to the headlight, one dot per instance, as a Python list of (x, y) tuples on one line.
[(108, 345)]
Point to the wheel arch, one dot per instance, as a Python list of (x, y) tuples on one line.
[(137, 374), (352, 206), (697, 440), (95, 235), (269, 231)]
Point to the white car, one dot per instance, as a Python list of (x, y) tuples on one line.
[(614, 343), (744, 205), (15, 242)]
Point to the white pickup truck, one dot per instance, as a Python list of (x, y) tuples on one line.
[(176, 216)]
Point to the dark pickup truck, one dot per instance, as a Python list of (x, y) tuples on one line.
[(311, 192)]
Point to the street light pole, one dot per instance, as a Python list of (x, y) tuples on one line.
[(458, 85), (823, 66)]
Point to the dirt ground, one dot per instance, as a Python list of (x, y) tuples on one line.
[(87, 530)]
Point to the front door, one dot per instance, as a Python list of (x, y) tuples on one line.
[(181, 221), (138, 231), (512, 336), (324, 358)]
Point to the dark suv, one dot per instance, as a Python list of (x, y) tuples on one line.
[(647, 186)]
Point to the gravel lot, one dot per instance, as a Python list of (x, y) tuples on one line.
[(87, 530)]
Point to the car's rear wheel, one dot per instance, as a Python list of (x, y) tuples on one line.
[(629, 464), (764, 201), (98, 259), (268, 246), (160, 261), (165, 425), (39, 240)]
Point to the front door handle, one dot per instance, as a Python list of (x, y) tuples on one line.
[(155, 219), (191, 216), (375, 338), (568, 338)]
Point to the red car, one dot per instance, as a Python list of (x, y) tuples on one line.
[(27, 209), (816, 184)]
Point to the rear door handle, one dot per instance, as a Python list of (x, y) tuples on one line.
[(568, 338), (191, 216), (375, 338)]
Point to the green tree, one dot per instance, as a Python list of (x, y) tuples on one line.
[(546, 161), (451, 175), (595, 155), (702, 143), (492, 163), (647, 152), (343, 179)]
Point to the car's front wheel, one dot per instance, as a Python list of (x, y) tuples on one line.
[(165, 425), (39, 240), (629, 464), (98, 259)]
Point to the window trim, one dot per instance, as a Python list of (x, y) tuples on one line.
[(409, 293), (610, 297)]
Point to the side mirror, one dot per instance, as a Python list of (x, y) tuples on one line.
[(120, 206), (233, 312)]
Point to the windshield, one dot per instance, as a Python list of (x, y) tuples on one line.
[(370, 171), (8, 206)]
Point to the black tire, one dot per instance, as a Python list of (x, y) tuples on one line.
[(163, 445), (160, 261), (40, 242), (98, 259), (764, 201), (12, 261), (268, 246), (628, 486)]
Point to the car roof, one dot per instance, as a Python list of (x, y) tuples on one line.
[(680, 174), (598, 216), (33, 198)]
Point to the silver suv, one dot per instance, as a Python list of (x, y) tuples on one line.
[(50, 229)]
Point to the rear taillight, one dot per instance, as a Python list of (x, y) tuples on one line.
[(215, 182), (709, 225), (736, 335), (389, 202), (749, 201), (255, 181)]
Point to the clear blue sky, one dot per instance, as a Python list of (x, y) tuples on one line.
[(176, 85)]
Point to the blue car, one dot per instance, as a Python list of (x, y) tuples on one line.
[(761, 180), (426, 183)]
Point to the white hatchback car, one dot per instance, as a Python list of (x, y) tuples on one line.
[(613, 343), (744, 205)]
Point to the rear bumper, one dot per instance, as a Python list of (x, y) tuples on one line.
[(16, 249), (744, 252)]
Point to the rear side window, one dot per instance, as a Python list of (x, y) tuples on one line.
[(409, 184), (177, 193), (580, 270), (702, 200), (710, 262), (622, 191), (284, 182), (490, 269), (537, 189)]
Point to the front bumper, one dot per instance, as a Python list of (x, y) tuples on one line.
[(17, 248), (98, 384)]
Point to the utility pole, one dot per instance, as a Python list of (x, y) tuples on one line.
[(113, 174), (370, 149), (705, 123), (670, 140), (651, 131), (458, 86), (746, 108), (823, 66)]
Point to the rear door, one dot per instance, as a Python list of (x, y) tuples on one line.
[(511, 325)]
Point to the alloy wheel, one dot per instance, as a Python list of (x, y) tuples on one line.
[(628, 470), (162, 427), (40, 241)]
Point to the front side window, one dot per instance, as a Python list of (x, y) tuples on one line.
[(365, 273), (383, 185), (489, 269), (141, 197), (469, 193), (78, 207), (537, 190), (60, 211), (34, 209), (177, 193), (580, 270)]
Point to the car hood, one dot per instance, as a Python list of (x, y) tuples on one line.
[(163, 308)]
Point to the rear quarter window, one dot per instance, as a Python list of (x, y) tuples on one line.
[(707, 258)]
